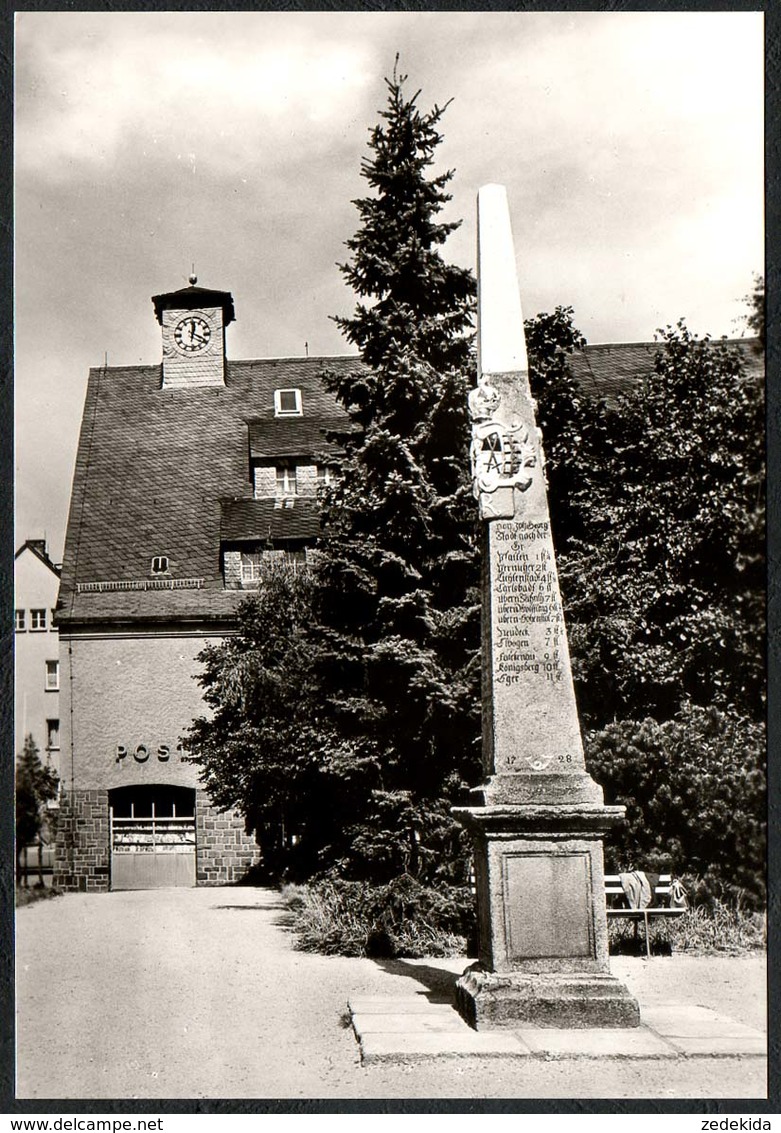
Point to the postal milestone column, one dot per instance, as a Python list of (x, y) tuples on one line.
[(537, 833)]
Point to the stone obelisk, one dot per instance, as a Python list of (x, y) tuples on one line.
[(538, 828)]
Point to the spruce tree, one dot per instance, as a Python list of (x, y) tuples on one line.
[(396, 599)]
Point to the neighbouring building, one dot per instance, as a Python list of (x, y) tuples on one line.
[(189, 476), (36, 652)]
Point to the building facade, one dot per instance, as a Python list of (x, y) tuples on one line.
[(36, 652), (189, 476)]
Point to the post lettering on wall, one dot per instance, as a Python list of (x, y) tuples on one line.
[(144, 752)]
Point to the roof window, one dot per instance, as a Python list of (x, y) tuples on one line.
[(287, 403), (159, 565)]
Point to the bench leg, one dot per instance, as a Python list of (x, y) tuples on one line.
[(647, 942)]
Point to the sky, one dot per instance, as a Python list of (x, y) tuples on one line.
[(630, 143)]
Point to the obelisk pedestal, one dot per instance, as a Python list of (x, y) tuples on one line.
[(537, 831)]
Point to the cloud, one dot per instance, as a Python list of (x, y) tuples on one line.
[(175, 93)]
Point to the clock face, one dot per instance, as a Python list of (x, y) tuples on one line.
[(192, 334)]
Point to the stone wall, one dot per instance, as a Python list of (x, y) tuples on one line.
[(82, 854), (232, 569), (224, 850)]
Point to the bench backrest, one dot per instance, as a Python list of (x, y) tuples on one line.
[(614, 888)]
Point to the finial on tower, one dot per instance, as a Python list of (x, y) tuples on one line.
[(192, 278)]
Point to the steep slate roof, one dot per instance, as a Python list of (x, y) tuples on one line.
[(608, 369), (167, 472), (292, 436), (156, 473), (297, 518)]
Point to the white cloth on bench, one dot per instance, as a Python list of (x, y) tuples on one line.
[(637, 889)]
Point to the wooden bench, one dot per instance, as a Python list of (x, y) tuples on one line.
[(614, 889)]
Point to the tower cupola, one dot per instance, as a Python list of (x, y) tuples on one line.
[(193, 320)]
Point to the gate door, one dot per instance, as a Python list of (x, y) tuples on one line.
[(152, 837)]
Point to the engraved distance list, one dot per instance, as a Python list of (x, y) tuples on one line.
[(529, 617)]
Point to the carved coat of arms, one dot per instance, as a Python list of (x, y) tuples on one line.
[(502, 456)]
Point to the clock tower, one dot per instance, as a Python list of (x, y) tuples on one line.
[(193, 321)]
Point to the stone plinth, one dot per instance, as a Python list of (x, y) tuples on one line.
[(543, 953), (487, 1000)]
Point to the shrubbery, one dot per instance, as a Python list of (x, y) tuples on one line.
[(694, 789), (402, 918)]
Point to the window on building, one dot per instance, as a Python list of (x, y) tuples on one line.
[(253, 563), (287, 403), (251, 566), (52, 676), (159, 564), (37, 619), (287, 484), (53, 734), (326, 475), (19, 620)]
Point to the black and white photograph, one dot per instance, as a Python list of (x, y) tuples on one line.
[(389, 557)]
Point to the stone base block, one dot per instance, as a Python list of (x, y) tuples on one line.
[(488, 1000)]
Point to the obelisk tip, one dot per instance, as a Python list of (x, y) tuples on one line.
[(501, 340)]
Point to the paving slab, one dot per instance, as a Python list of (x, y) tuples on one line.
[(401, 1047), (683, 1021), (718, 1047), (395, 1004), (596, 1042), (397, 1023)]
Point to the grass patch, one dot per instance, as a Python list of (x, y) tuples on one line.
[(402, 918), (716, 929), (719, 929), (29, 894)]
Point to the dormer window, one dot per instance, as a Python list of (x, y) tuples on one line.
[(287, 483), (159, 565), (287, 403)]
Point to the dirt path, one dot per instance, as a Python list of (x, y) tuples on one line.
[(197, 993)]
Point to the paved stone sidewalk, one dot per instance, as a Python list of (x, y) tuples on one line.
[(397, 1028)]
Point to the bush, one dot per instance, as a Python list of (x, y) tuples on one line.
[(694, 791), (402, 918)]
